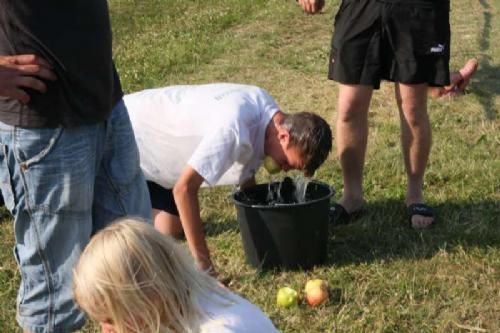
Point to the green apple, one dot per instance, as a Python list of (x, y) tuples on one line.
[(270, 165), (287, 297)]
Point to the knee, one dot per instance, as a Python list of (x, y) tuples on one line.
[(352, 114), (168, 224), (415, 112)]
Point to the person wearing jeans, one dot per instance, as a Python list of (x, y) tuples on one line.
[(69, 164)]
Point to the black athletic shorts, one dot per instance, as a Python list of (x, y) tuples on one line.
[(162, 198), (405, 41)]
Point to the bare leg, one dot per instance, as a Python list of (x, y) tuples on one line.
[(352, 135), (416, 138), (167, 223)]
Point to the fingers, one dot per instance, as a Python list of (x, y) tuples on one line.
[(12, 83), (37, 70), (28, 64), (24, 71), (312, 6), (30, 82), (305, 5), (29, 59)]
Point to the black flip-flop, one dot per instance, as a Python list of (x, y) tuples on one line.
[(422, 210), (339, 215)]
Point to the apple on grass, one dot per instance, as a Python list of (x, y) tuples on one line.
[(316, 292), (287, 297)]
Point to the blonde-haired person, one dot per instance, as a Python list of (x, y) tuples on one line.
[(131, 278)]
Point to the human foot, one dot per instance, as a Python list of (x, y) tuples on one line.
[(420, 215), (344, 211)]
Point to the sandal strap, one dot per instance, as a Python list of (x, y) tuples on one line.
[(420, 209)]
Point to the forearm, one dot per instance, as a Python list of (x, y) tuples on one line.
[(189, 212)]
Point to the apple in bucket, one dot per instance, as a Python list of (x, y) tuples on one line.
[(287, 297), (316, 292)]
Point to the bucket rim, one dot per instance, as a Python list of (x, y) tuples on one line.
[(281, 206)]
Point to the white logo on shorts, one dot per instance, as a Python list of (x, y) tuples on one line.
[(437, 49)]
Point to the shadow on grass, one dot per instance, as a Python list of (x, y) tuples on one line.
[(383, 233), (486, 84), (214, 225)]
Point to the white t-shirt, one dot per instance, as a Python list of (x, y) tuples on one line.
[(218, 129), (238, 317)]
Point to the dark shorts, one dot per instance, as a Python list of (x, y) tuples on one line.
[(399, 41), (162, 198)]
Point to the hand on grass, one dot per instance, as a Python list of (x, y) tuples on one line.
[(206, 265), (23, 71), (311, 6)]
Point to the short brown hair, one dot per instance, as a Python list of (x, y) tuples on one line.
[(312, 135)]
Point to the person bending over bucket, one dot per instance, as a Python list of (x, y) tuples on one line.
[(215, 134)]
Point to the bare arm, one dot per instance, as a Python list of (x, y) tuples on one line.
[(23, 71), (186, 197), (311, 6)]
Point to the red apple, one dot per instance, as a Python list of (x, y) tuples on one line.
[(316, 292)]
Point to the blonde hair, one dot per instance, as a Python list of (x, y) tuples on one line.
[(139, 280)]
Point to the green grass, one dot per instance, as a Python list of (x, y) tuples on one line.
[(384, 277)]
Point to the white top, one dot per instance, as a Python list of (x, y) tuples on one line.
[(238, 317), (217, 129)]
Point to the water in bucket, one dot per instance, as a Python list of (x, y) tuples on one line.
[(284, 223), (286, 191)]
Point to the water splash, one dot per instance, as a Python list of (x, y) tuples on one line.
[(280, 191), (286, 190), (301, 188), (272, 188)]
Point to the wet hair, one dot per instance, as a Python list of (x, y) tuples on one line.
[(138, 280), (312, 135)]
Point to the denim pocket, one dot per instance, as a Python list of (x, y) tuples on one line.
[(33, 145), (6, 179), (57, 167)]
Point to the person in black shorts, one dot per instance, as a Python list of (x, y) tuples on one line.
[(408, 43)]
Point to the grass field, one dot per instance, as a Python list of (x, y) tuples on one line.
[(384, 277)]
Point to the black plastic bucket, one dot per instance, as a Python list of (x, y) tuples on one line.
[(288, 235)]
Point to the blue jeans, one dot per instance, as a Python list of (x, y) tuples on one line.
[(62, 185)]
